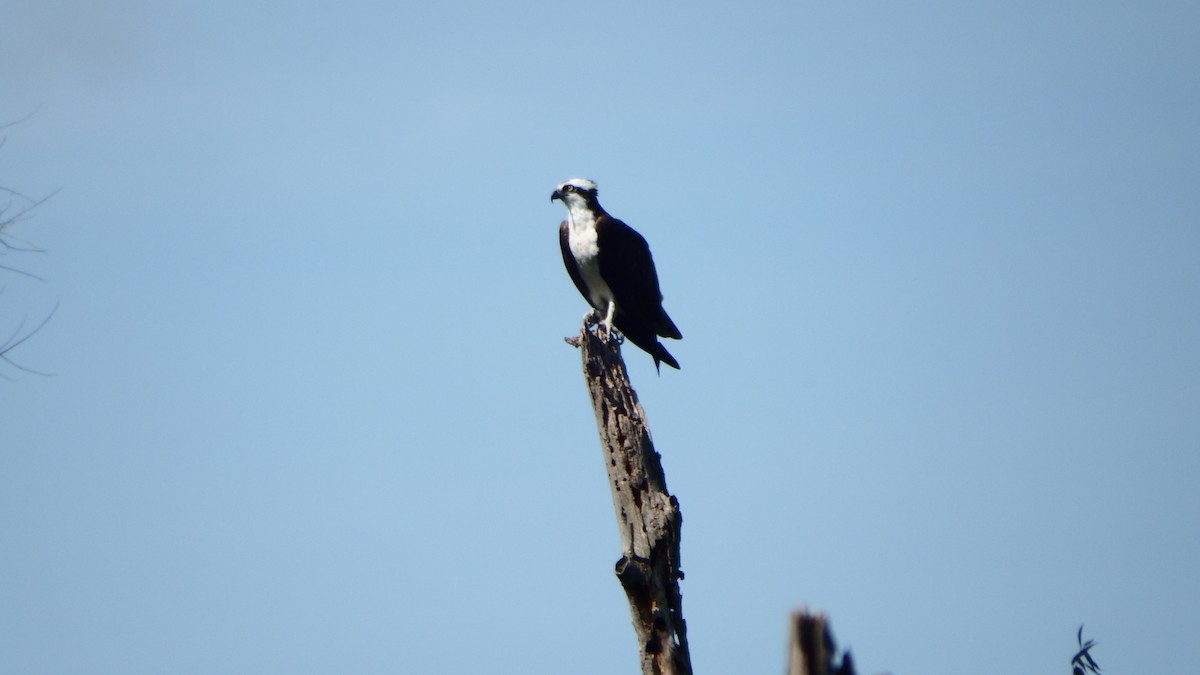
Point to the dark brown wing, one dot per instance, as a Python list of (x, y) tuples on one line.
[(628, 269)]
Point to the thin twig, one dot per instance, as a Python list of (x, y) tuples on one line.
[(16, 340)]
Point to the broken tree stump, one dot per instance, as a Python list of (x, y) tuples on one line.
[(811, 649), (649, 522), (648, 517)]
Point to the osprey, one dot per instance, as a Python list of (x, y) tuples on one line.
[(611, 266)]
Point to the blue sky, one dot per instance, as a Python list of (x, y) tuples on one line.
[(311, 412)]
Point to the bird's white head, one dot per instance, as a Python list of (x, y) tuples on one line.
[(577, 194)]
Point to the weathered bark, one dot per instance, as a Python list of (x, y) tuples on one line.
[(649, 521), (812, 650), (648, 517)]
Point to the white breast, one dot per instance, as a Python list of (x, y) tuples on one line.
[(581, 235)]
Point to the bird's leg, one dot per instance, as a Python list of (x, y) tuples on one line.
[(607, 324)]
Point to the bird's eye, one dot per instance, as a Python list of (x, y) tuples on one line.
[(568, 188)]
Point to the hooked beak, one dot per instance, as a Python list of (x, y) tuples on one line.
[(556, 195)]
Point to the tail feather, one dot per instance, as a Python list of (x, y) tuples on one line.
[(643, 335), (666, 327), (660, 353)]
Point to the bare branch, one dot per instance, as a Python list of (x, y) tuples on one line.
[(16, 339), (22, 214), (16, 207), (18, 121)]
